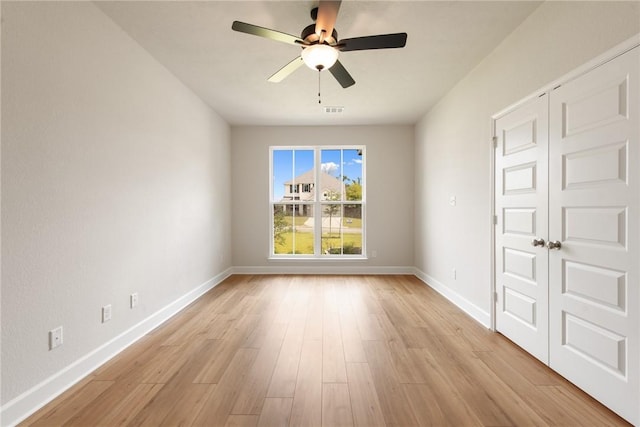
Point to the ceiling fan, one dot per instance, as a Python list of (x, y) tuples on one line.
[(320, 44)]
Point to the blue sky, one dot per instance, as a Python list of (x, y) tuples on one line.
[(284, 170)]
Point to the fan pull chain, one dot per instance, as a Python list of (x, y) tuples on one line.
[(319, 98)]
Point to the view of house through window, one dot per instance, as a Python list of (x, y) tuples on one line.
[(317, 201)]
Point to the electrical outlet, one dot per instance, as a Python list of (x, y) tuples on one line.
[(374, 253), (133, 299), (55, 337), (106, 313)]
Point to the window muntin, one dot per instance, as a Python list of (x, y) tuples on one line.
[(317, 202)]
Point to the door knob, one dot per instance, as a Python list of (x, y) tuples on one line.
[(554, 245), (537, 242)]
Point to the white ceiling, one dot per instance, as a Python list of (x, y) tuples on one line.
[(229, 70)]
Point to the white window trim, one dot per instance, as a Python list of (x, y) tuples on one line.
[(317, 205)]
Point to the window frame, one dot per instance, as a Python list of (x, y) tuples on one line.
[(317, 202)]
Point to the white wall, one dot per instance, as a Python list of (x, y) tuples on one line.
[(115, 179), (389, 189), (452, 148)]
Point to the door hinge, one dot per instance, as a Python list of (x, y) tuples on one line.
[(494, 141), (495, 220), (495, 296)]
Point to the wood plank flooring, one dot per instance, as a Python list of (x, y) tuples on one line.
[(323, 351)]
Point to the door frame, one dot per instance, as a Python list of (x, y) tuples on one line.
[(599, 60)]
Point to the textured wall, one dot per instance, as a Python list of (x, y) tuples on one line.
[(115, 179)]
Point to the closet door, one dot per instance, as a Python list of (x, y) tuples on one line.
[(594, 192), (521, 207)]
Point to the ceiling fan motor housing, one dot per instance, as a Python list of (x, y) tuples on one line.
[(309, 35)]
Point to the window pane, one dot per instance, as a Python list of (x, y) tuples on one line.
[(352, 174), (352, 230), (304, 178), (331, 229), (282, 168), (282, 231), (293, 229), (331, 175)]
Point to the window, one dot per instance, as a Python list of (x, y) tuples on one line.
[(317, 202)]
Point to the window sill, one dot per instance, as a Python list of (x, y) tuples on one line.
[(319, 259)]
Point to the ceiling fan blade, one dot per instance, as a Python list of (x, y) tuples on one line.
[(327, 15), (286, 70), (342, 75), (382, 41), (243, 27)]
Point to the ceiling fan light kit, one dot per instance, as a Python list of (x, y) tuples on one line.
[(320, 44), (319, 56)]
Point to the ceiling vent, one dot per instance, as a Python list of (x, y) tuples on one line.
[(333, 110)]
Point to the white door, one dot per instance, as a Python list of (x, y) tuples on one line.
[(521, 208), (594, 211)]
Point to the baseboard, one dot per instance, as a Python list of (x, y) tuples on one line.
[(33, 399), (462, 303), (320, 269)]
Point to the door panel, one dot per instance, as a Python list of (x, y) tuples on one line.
[(594, 211), (520, 179), (596, 285), (579, 225), (519, 221), (600, 346), (596, 166), (521, 206)]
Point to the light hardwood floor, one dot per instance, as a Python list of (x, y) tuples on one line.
[(323, 351)]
